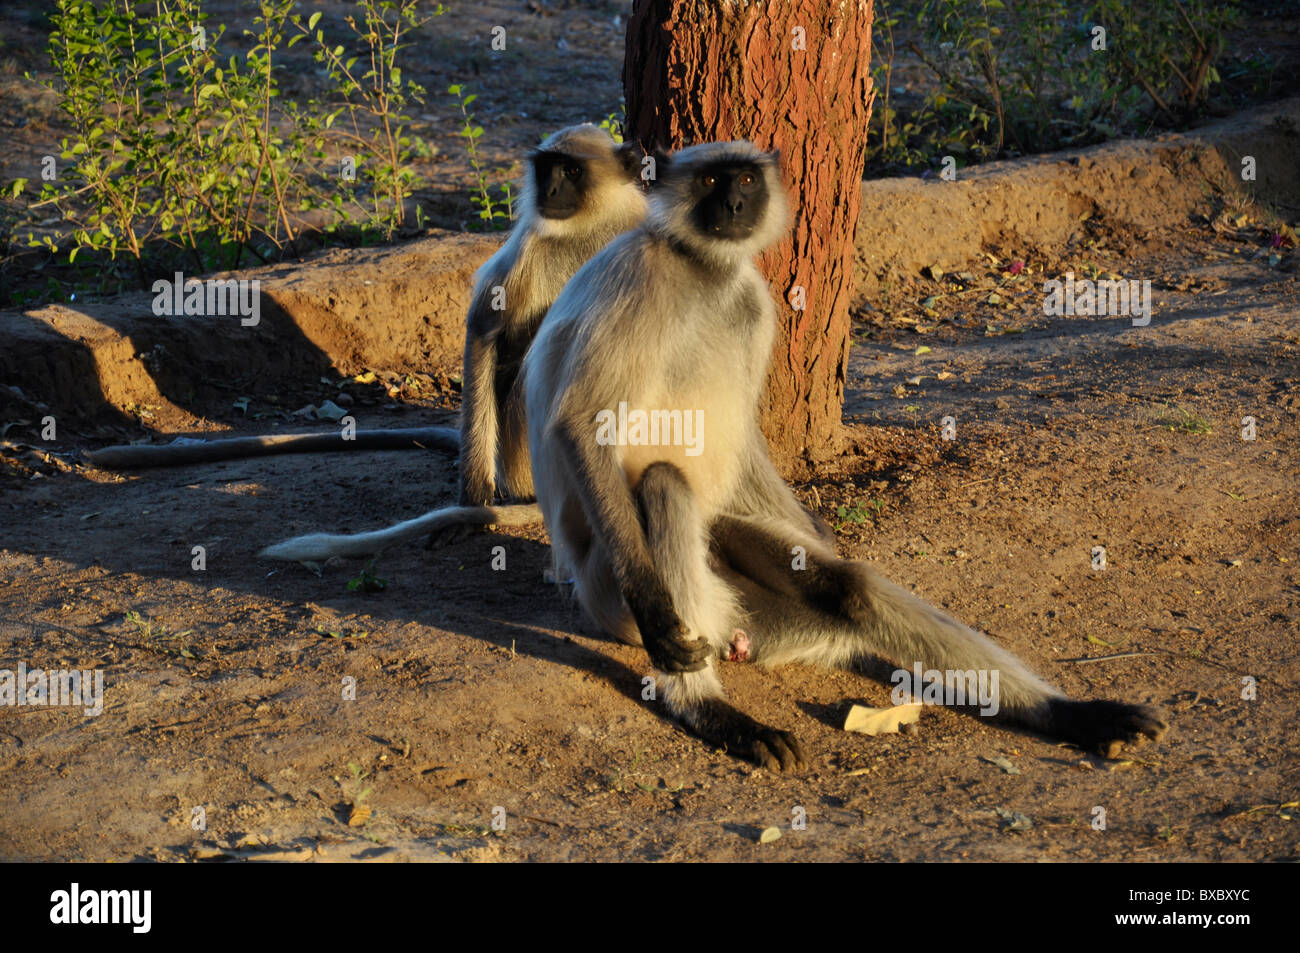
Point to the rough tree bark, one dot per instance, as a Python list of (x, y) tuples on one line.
[(791, 75)]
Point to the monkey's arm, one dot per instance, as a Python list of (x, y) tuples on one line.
[(479, 414), (607, 502), (127, 457), (764, 493)]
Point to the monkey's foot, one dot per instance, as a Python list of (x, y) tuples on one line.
[(456, 533), (1103, 726), (729, 728)]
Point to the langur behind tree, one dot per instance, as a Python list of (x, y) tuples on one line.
[(582, 190), (692, 551)]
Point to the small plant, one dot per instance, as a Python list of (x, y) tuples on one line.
[(1180, 419), (183, 151), (171, 143), (493, 213), (368, 581), (615, 123), (380, 95), (158, 639), (359, 812), (1027, 76), (859, 512), (358, 776)]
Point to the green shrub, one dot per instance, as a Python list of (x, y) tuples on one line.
[(181, 146), (1025, 76)]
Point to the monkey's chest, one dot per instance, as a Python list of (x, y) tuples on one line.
[(699, 430)]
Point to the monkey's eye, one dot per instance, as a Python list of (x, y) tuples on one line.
[(746, 178), (573, 172), (708, 181)]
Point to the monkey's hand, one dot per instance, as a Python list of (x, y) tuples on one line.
[(670, 645), (1104, 726)]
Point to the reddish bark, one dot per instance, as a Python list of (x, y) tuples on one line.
[(711, 70)]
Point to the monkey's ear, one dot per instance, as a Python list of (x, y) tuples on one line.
[(663, 162), (629, 155)]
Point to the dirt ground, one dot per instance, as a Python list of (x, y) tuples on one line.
[(477, 689), (225, 733)]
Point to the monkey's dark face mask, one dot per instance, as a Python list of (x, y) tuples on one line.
[(560, 182), (729, 200)]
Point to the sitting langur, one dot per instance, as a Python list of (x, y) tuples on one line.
[(581, 191), (690, 551)]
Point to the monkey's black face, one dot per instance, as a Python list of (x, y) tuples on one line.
[(729, 200), (560, 182)]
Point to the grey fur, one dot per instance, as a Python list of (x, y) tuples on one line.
[(676, 551)]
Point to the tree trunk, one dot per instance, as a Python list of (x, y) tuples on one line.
[(791, 75)]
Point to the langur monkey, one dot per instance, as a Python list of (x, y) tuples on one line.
[(694, 555), (582, 190)]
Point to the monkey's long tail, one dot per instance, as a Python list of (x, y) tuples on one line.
[(134, 456), (320, 546)]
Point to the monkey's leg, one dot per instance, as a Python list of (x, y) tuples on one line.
[(840, 611), (514, 469), (478, 419), (478, 428), (594, 476), (678, 543), (765, 495), (515, 463)]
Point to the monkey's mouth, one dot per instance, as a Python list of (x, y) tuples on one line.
[(731, 230), (557, 211)]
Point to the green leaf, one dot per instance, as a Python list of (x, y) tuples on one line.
[(313, 20)]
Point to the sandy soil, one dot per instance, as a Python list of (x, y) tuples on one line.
[(477, 689)]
